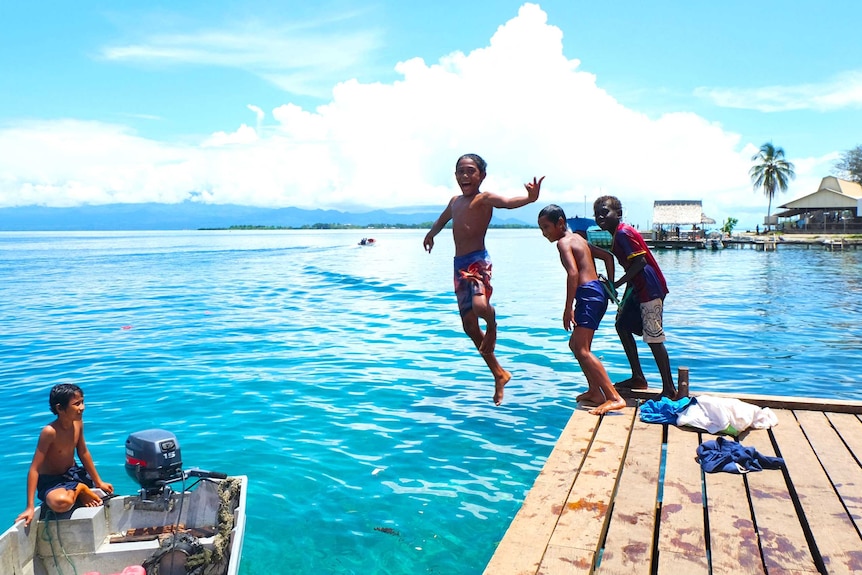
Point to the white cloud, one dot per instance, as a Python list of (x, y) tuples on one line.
[(299, 58), (844, 91), (519, 102)]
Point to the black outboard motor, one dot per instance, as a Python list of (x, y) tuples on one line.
[(153, 459)]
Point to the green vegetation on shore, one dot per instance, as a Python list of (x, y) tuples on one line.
[(321, 226)]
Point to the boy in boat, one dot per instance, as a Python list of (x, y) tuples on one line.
[(471, 214), (642, 306), (53, 474), (586, 303)]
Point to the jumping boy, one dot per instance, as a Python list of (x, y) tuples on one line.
[(53, 474), (470, 214), (642, 306), (586, 303)]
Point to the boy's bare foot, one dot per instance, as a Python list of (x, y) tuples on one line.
[(609, 405), (670, 394), (632, 383), (489, 340), (87, 497), (591, 397), (499, 383)]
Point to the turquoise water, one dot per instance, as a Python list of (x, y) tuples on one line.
[(338, 379)]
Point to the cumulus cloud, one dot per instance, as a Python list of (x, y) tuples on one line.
[(519, 102)]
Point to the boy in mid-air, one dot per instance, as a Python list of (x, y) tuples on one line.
[(586, 303), (53, 474), (470, 214), (642, 306)]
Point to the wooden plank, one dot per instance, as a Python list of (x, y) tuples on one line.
[(733, 542), (836, 539), (842, 469), (524, 543), (782, 539), (849, 427), (681, 539), (583, 522), (628, 546)]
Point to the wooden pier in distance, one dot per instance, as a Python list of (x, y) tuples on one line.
[(619, 496)]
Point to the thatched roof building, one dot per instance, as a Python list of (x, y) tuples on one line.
[(679, 213)]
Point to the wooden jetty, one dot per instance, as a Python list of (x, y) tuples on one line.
[(619, 496)]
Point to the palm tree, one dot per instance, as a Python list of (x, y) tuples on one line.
[(771, 173)]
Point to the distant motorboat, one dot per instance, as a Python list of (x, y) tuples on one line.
[(367, 242)]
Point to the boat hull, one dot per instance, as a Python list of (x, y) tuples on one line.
[(128, 531)]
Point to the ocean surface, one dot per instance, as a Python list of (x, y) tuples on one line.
[(338, 379)]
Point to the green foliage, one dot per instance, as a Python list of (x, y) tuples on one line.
[(728, 225), (771, 172), (331, 226), (849, 167)]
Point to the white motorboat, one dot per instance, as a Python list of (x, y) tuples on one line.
[(195, 529)]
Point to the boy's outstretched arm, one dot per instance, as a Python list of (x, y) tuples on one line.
[(499, 201), (45, 440), (438, 225), (572, 275), (90, 467), (607, 257)]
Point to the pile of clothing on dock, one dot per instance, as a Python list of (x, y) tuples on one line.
[(719, 415), (723, 415)]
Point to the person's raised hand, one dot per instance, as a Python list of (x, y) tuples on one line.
[(533, 188)]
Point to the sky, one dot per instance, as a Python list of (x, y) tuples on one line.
[(353, 105)]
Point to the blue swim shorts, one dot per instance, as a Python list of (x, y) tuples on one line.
[(69, 480), (591, 303), (472, 277)]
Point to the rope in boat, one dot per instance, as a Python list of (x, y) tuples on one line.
[(200, 560)]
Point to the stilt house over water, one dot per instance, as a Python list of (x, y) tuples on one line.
[(679, 219)]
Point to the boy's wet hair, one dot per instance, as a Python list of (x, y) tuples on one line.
[(615, 203), (553, 213), (62, 394), (480, 163)]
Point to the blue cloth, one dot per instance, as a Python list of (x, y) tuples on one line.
[(69, 480), (723, 454), (664, 410)]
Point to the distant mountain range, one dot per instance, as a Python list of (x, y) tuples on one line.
[(192, 216)]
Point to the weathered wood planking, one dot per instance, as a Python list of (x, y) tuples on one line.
[(600, 483), (628, 546), (837, 541), (782, 539), (843, 470), (523, 546), (849, 427), (734, 544), (574, 544), (681, 539)]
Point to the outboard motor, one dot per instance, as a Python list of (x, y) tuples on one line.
[(153, 459)]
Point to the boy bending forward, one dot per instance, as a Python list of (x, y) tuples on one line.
[(586, 303), (53, 474)]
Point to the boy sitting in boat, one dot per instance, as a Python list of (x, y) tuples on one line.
[(586, 303), (53, 474)]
